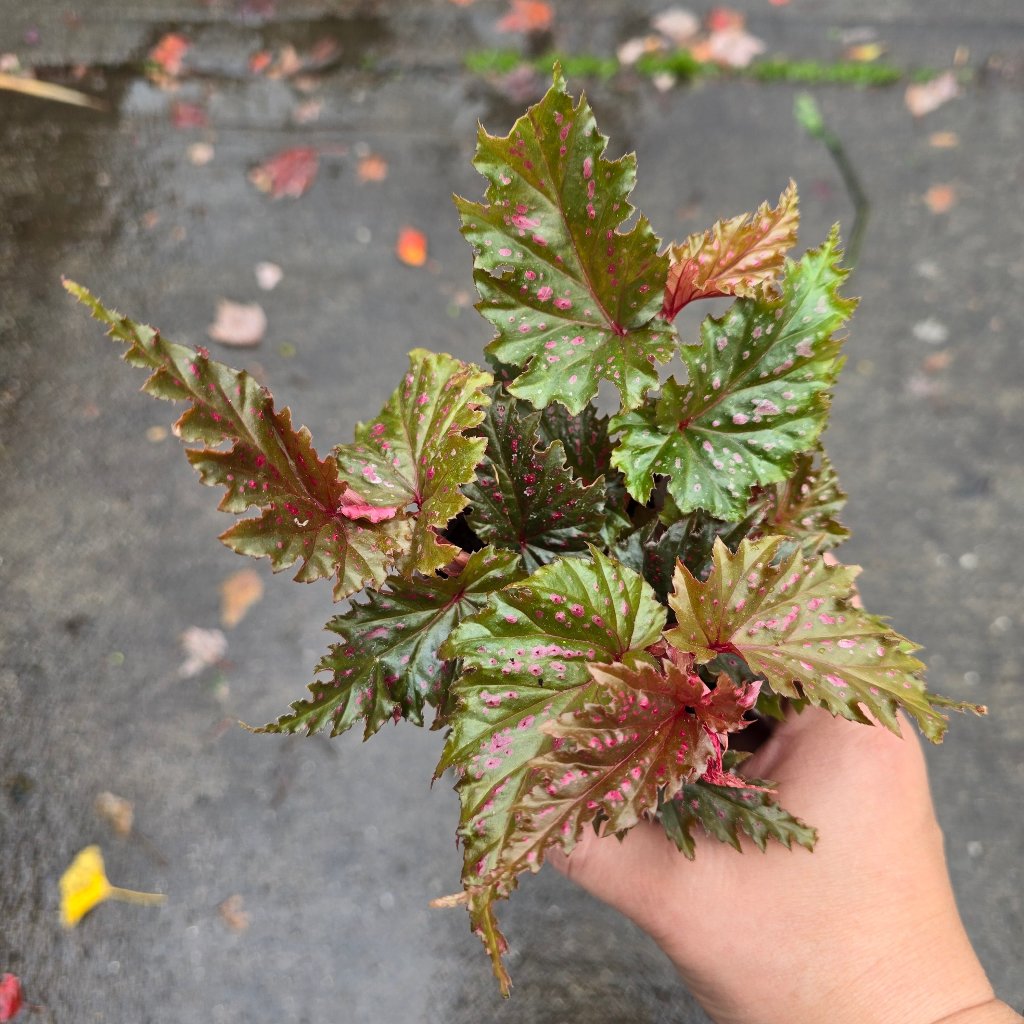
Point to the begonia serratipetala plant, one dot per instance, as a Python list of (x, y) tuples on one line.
[(591, 606)]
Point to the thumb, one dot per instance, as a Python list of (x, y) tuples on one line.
[(630, 874)]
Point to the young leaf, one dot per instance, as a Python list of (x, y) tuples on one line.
[(524, 497), (573, 298), (649, 731), (740, 256), (416, 451), (747, 806), (756, 395), (387, 663), (806, 506), (793, 624), (308, 511), (526, 657)]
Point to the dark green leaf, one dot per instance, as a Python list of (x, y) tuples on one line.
[(524, 497), (387, 663)]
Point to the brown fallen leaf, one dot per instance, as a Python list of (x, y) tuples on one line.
[(203, 648), (241, 324), (411, 247), (232, 913), (238, 593), (288, 173), (527, 16), (943, 140), (117, 812), (372, 167), (940, 198), (924, 97)]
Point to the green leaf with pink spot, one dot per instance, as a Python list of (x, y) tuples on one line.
[(573, 298), (387, 663), (527, 658), (525, 497), (792, 621), (417, 452), (309, 514), (756, 395)]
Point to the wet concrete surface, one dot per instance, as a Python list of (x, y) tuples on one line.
[(108, 544)]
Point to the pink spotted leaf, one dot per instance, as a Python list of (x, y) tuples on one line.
[(572, 297), (526, 657), (306, 510), (386, 664), (791, 620), (416, 453)]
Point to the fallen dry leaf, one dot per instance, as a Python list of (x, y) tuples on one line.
[(203, 648), (864, 53), (238, 593), (200, 154), (633, 49), (940, 198), (241, 324), (924, 97), (677, 24), (84, 885), (943, 140), (288, 173), (411, 247), (48, 91), (117, 812), (725, 19), (734, 47), (937, 361), (268, 275), (527, 16), (307, 111), (156, 433), (372, 167), (233, 914), (166, 60), (11, 997), (188, 115)]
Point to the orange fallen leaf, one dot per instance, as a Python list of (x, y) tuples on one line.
[(233, 914), (372, 167), (167, 59), (117, 812), (288, 173), (527, 16), (411, 247), (241, 324), (940, 198), (84, 885), (238, 593), (923, 97)]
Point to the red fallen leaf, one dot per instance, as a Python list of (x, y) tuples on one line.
[(288, 173), (188, 115), (725, 19), (169, 54), (260, 61), (10, 997), (411, 247), (527, 16)]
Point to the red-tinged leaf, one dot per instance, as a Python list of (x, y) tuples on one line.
[(288, 173), (805, 507), (387, 663), (742, 256), (270, 465), (756, 395), (648, 731), (524, 497), (792, 621), (526, 657), (573, 299), (11, 997), (411, 247), (527, 16), (416, 451), (740, 806)]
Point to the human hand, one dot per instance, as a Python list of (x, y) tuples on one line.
[(864, 930)]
